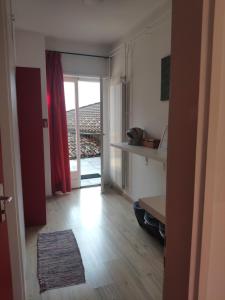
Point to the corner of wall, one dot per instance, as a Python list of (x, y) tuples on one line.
[(138, 58), (30, 52)]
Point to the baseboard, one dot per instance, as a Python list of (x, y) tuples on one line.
[(121, 192)]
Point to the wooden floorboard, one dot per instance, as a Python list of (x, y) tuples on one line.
[(121, 260)]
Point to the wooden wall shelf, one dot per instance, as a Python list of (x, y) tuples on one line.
[(148, 153)]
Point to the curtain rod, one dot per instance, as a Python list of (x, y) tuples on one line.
[(81, 54)]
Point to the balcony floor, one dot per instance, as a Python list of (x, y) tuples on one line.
[(91, 165)]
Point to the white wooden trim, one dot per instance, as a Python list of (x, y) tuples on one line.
[(75, 175), (11, 152), (77, 127), (75, 79), (102, 136), (72, 77)]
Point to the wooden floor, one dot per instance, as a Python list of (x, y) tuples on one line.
[(121, 260)]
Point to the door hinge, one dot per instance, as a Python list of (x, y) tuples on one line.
[(13, 18), (3, 201)]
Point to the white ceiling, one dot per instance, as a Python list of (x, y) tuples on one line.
[(104, 23)]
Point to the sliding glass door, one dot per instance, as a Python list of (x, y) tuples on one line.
[(84, 122), (90, 130)]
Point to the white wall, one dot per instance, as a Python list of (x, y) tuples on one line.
[(30, 52), (80, 65), (117, 72), (143, 70)]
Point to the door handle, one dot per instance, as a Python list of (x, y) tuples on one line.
[(3, 202)]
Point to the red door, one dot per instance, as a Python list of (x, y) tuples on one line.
[(29, 106), (5, 270)]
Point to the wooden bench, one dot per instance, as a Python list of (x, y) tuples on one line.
[(156, 206)]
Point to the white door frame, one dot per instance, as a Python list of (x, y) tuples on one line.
[(100, 80), (11, 151), (77, 128), (75, 79), (75, 175), (102, 136)]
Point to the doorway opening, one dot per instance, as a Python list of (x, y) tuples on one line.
[(84, 124)]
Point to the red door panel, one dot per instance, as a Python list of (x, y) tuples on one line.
[(5, 271), (28, 85)]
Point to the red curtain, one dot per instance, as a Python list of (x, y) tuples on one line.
[(60, 168)]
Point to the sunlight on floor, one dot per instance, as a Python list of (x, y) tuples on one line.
[(90, 208)]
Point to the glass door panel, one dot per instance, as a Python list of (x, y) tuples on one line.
[(90, 131), (84, 123), (70, 87)]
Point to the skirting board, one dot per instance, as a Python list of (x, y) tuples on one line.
[(120, 191)]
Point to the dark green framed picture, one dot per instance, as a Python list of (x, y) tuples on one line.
[(165, 78)]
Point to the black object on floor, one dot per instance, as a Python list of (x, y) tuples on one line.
[(90, 176), (139, 213), (153, 226), (149, 223)]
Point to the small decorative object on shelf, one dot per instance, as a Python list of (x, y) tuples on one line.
[(151, 143), (135, 136)]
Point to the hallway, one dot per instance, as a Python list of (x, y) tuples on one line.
[(121, 260)]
